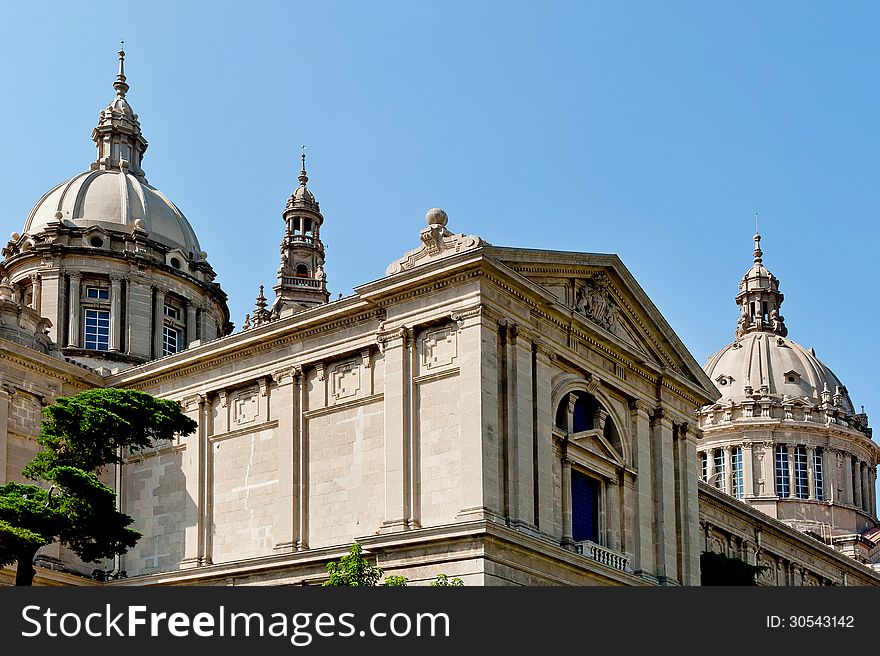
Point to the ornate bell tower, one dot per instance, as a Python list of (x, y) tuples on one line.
[(302, 282)]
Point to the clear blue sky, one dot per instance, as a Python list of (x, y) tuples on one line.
[(654, 130)]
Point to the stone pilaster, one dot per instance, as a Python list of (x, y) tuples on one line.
[(397, 384), (847, 467), (158, 322), (543, 436), (191, 327), (194, 462), (115, 312), (74, 311), (286, 409), (301, 459), (472, 417), (687, 443), (748, 460), (857, 483), (644, 553), (664, 494)]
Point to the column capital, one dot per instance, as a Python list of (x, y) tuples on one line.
[(640, 406), (658, 415), (75, 275), (541, 348)]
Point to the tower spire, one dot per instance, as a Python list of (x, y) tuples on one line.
[(303, 178), (120, 84)]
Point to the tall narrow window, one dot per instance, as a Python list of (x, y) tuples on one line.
[(704, 466), (172, 327), (736, 457), (584, 507), (98, 330), (170, 340), (818, 479), (720, 473), (801, 481), (782, 482)]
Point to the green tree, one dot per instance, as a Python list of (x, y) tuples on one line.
[(355, 570), (80, 435), (443, 581)]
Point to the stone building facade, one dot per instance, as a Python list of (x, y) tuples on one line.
[(507, 416)]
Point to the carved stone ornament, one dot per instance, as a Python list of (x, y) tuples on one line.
[(437, 242), (594, 301)]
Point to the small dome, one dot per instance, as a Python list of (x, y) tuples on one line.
[(114, 200), (771, 365), (118, 106), (302, 194)]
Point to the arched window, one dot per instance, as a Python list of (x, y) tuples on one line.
[(302, 271), (588, 414)]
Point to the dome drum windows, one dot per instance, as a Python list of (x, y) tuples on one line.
[(172, 326), (725, 469), (96, 315), (799, 472)]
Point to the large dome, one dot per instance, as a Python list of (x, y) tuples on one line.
[(767, 364), (114, 200)]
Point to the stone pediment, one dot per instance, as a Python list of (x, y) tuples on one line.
[(600, 294), (594, 441)]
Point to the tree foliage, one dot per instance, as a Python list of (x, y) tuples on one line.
[(355, 570), (80, 435), (443, 581)]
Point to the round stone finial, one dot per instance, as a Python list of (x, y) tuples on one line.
[(58, 216), (14, 236), (139, 224), (436, 216), (203, 255)]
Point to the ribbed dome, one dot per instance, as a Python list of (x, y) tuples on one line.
[(766, 364), (114, 200)]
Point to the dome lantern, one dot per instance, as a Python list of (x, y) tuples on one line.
[(118, 135), (759, 299)]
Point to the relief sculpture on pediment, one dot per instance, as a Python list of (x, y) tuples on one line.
[(594, 301)]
